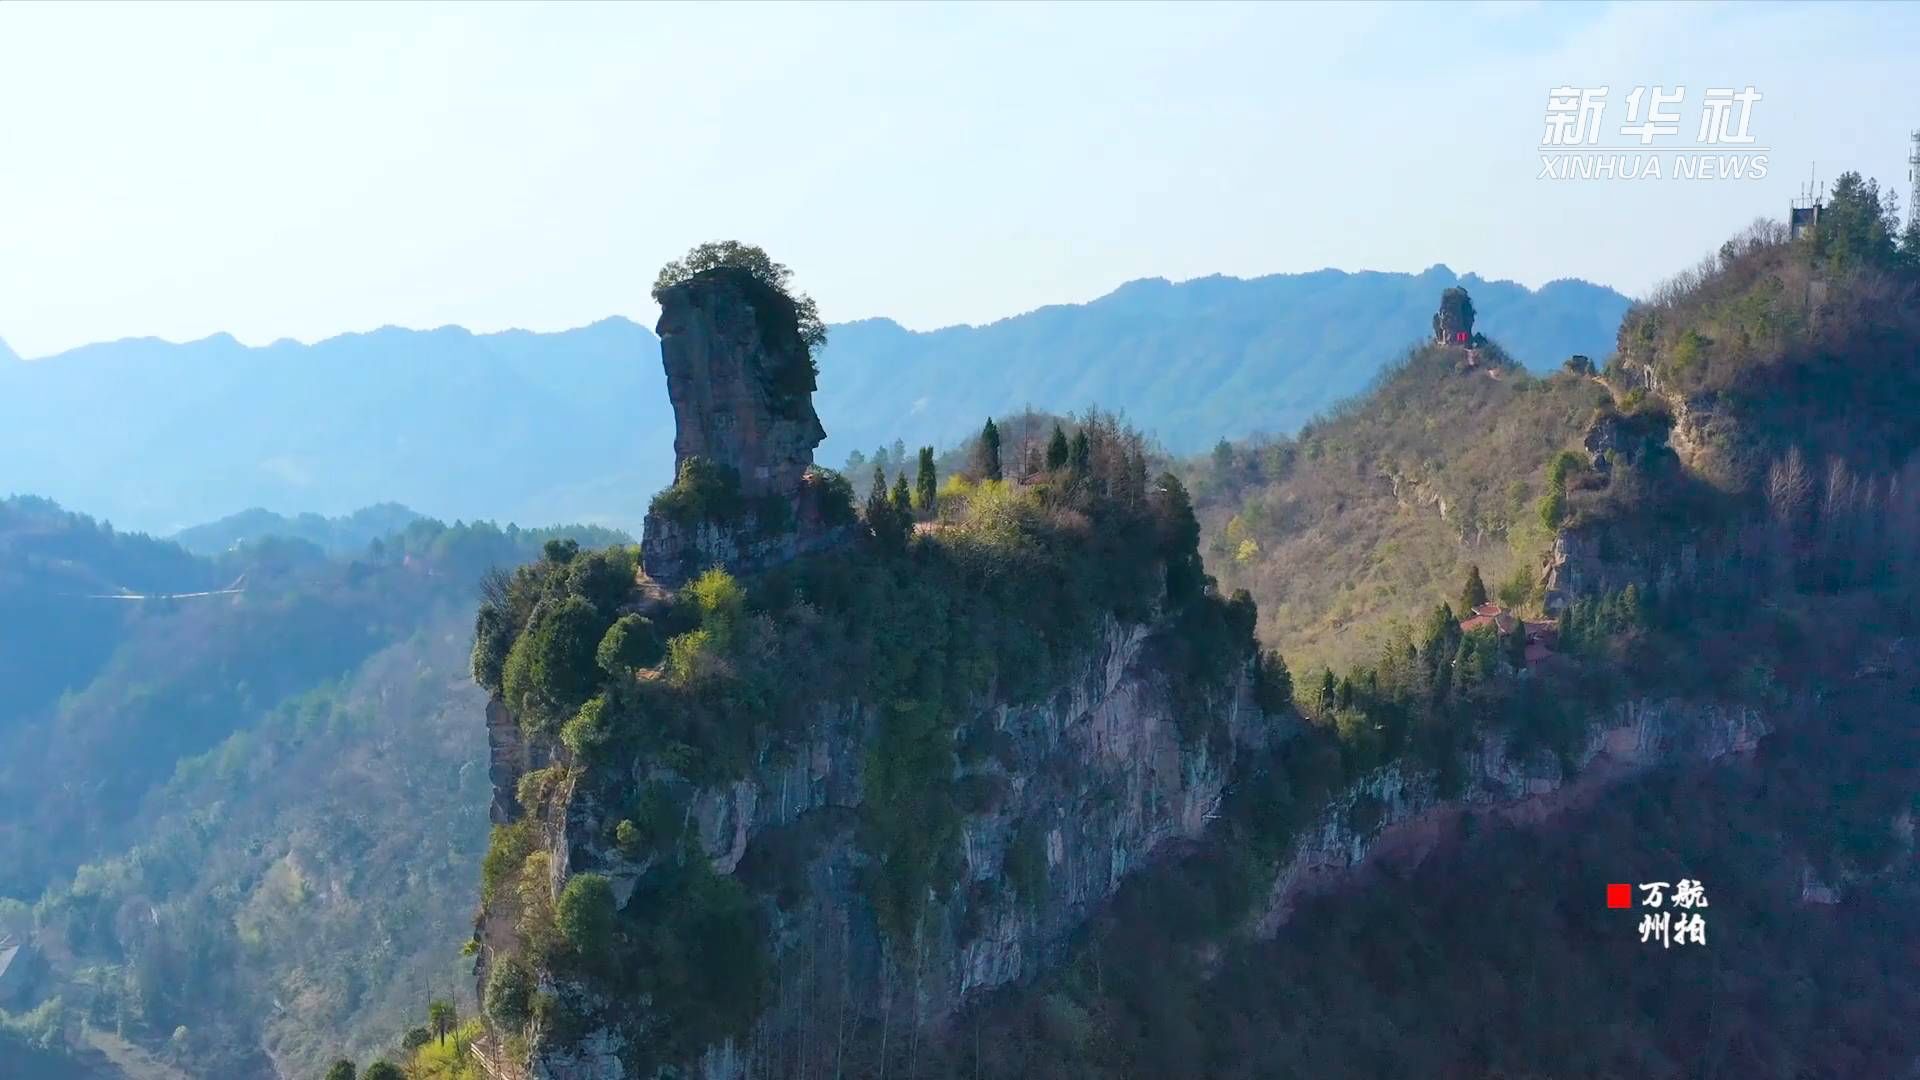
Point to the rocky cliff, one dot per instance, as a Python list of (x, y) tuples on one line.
[(792, 816), (1070, 795), (1405, 815), (741, 381)]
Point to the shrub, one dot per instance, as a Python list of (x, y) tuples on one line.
[(627, 836), (721, 604), (507, 848), (691, 657), (702, 491), (589, 730), (552, 666), (585, 915), (492, 637), (1553, 509), (602, 578), (833, 496), (536, 786), (509, 995), (630, 643)]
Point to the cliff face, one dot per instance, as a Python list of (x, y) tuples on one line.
[(776, 824), (1407, 816), (1071, 796), (741, 383)]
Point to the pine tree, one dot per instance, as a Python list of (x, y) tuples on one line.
[(1632, 614), (1475, 592), (1080, 454), (926, 484), (902, 498), (1275, 683), (1057, 448), (1328, 692), (880, 517), (987, 462)]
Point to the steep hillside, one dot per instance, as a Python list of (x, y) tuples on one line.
[(892, 765), (1378, 509), (1441, 913), (1136, 851), (187, 433), (241, 802)]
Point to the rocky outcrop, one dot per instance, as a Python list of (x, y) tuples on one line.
[(1590, 562), (510, 755), (1068, 797), (741, 381), (674, 552), (1405, 816)]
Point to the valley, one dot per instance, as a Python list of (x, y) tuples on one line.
[(1066, 751)]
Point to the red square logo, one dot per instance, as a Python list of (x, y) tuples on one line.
[(1619, 896)]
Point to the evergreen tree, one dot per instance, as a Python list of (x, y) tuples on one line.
[(341, 1069), (1275, 684), (902, 499), (1475, 592), (1632, 614), (987, 460), (926, 484), (1328, 693), (1516, 643), (1080, 454), (880, 508), (1057, 448)]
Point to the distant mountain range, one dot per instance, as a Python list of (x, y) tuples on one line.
[(348, 534), (576, 425)]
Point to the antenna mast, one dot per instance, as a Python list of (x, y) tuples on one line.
[(1913, 175)]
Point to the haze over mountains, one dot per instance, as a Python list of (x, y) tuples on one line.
[(160, 436)]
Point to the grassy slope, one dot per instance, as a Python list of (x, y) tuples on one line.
[(1336, 555)]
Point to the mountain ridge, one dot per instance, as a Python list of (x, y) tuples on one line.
[(463, 425)]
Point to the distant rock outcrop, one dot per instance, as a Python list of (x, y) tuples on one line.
[(741, 381)]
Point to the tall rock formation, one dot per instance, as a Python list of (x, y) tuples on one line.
[(741, 381)]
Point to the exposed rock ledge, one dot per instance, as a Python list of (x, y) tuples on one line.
[(1639, 735), (1098, 778)]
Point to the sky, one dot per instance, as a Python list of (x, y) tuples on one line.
[(293, 170)]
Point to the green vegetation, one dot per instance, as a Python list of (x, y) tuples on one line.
[(702, 491), (271, 773), (585, 916), (630, 644), (732, 254), (1007, 591), (986, 463), (1378, 510), (1492, 955), (789, 321), (926, 483)]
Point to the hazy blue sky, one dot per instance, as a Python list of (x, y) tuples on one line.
[(298, 171)]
